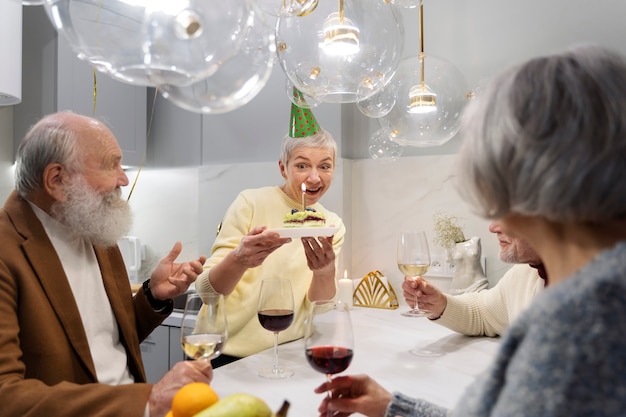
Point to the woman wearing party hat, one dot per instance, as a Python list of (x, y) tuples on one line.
[(246, 250)]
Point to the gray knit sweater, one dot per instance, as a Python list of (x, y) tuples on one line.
[(564, 356)]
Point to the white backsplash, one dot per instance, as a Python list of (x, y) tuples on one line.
[(389, 197)]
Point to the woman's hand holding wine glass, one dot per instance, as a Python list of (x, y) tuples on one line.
[(328, 340), (413, 260), (275, 312), (204, 331)]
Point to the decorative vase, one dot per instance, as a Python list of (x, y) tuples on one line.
[(468, 271)]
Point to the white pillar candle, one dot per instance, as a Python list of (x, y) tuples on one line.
[(345, 292)]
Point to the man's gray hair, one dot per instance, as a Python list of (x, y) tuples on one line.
[(48, 141)]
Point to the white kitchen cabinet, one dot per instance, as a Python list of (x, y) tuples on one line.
[(54, 79)]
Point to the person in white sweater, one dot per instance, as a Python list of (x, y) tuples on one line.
[(488, 312)]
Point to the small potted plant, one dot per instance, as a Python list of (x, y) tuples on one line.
[(464, 253), (447, 231)]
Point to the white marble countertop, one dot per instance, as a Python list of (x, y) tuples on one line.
[(383, 339)]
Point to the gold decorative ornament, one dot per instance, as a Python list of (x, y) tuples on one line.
[(375, 291)]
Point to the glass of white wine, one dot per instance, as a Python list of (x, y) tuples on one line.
[(413, 260), (204, 331)]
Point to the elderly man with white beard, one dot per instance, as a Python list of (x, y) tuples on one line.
[(70, 327)]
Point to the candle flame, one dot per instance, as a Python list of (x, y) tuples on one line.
[(303, 187)]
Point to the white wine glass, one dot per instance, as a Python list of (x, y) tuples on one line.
[(413, 260), (275, 312), (204, 329), (329, 339)]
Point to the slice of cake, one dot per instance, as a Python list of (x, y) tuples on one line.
[(308, 218), (314, 218), (294, 219)]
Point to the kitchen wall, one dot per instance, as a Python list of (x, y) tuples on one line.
[(376, 200)]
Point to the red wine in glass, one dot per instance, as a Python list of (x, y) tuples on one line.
[(275, 311), (275, 319), (328, 339), (329, 359)]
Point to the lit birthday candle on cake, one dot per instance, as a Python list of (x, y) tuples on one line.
[(303, 197)]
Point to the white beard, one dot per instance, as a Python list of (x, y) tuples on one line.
[(101, 219)]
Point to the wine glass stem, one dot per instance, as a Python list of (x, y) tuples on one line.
[(416, 308), (329, 379), (275, 352)]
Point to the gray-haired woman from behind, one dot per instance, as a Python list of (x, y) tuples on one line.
[(544, 152)]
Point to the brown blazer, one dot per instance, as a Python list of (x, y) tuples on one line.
[(46, 368)]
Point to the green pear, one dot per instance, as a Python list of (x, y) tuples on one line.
[(237, 405)]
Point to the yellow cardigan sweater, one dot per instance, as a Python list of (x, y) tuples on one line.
[(264, 206)]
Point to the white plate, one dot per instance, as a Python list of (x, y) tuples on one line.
[(297, 232)]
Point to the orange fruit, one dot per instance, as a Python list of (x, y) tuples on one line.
[(193, 398), (169, 414)]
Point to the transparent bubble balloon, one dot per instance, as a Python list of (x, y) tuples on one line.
[(113, 36), (422, 123), (301, 99), (330, 52), (380, 104), (382, 146), (237, 81)]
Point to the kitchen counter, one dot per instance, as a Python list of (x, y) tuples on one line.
[(383, 339)]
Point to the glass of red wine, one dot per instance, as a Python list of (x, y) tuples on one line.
[(328, 338), (275, 312)]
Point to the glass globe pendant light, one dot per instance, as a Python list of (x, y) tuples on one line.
[(430, 95), (421, 99), (184, 41), (146, 42), (331, 52), (237, 80)]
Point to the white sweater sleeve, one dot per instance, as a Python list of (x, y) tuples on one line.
[(490, 312)]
